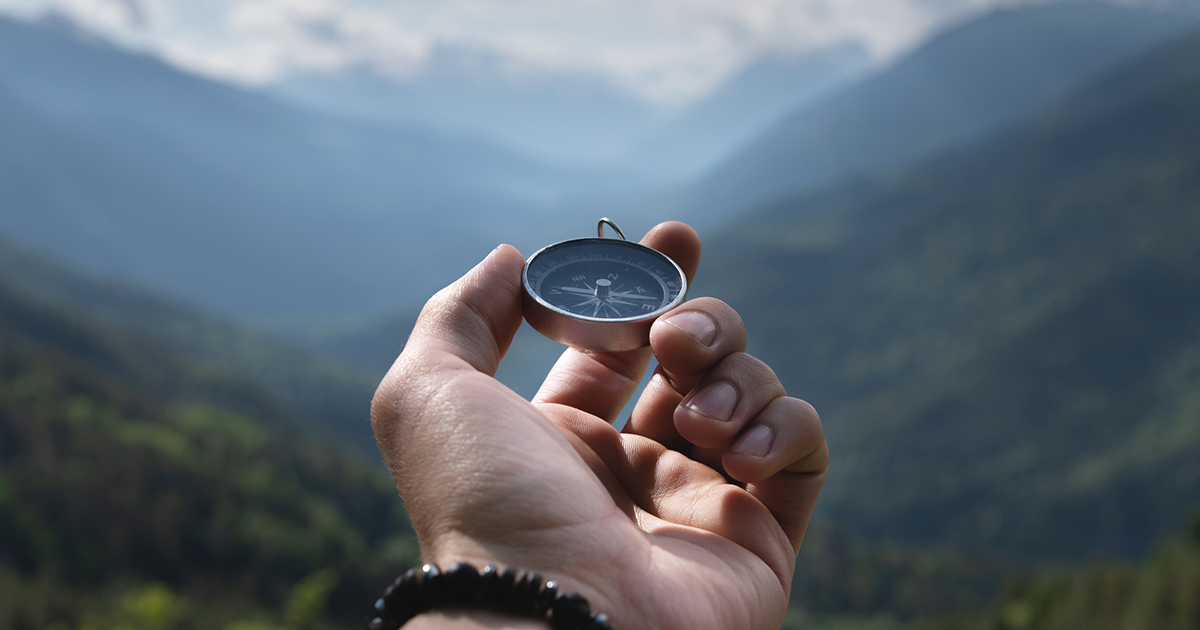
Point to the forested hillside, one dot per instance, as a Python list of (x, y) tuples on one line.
[(314, 388), (1004, 342), (137, 483), (162, 469), (1162, 593)]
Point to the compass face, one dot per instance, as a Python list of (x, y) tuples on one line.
[(604, 279)]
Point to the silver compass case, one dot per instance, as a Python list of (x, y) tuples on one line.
[(600, 293)]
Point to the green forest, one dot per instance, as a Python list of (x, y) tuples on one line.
[(142, 489)]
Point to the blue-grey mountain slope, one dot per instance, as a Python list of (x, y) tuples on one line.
[(1004, 341), (709, 131), (960, 86), (122, 165), (154, 335)]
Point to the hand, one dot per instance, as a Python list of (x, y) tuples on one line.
[(691, 518)]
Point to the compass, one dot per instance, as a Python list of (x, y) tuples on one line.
[(600, 293)]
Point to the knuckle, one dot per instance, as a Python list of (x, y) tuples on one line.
[(395, 390), (752, 372), (798, 413), (806, 410)]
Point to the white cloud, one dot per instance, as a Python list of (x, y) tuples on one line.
[(660, 49)]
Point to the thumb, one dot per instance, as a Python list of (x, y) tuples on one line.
[(465, 328), (472, 322)]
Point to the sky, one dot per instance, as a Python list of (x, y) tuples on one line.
[(668, 51)]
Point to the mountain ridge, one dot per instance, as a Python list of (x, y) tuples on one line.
[(941, 313), (320, 392), (959, 86), (129, 168)]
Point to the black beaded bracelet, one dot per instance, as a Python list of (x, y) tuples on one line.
[(462, 586)]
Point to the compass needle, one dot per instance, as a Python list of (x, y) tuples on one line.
[(600, 293)]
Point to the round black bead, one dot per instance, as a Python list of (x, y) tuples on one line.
[(430, 571), (489, 584), (410, 576), (403, 599), (525, 592), (375, 624), (545, 598), (380, 606), (462, 584), (433, 585), (505, 587), (599, 622), (571, 612)]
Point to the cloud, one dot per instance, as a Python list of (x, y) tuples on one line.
[(659, 49)]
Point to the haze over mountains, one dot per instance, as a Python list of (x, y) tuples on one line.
[(1004, 332), (959, 87), (268, 212), (233, 200), (566, 118), (974, 72), (995, 310), (580, 119), (251, 207)]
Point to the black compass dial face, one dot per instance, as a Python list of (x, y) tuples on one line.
[(604, 279)]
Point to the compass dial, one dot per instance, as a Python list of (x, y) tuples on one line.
[(585, 281)]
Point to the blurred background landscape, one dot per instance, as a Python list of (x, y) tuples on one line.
[(975, 224)]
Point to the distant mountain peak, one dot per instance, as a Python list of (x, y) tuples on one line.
[(961, 85)]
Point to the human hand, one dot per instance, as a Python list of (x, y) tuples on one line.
[(690, 518)]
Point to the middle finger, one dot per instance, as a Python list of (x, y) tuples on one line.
[(687, 342)]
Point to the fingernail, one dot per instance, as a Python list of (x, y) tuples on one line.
[(696, 324), (757, 442), (717, 401)]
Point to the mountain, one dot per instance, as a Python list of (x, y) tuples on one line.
[(141, 487), (1160, 593), (323, 393), (1004, 341), (576, 118), (958, 87), (697, 139), (230, 199), (559, 117), (183, 498), (150, 479)]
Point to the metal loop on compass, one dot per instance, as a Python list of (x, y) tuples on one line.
[(607, 221)]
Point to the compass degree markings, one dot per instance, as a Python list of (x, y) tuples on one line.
[(590, 277), (631, 296)]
